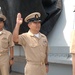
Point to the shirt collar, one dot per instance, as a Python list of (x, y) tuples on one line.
[(2, 32), (31, 34)]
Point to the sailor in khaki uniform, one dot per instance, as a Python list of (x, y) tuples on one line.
[(35, 44), (72, 49), (6, 45)]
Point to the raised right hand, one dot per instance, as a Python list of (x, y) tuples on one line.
[(19, 19)]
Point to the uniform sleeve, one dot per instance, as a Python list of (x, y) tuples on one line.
[(10, 41), (21, 40), (47, 48), (46, 45), (46, 60)]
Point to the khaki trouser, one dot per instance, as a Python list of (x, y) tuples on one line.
[(34, 68), (4, 64)]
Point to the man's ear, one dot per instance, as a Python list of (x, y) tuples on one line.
[(29, 25)]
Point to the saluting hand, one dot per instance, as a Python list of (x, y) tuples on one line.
[(19, 19)]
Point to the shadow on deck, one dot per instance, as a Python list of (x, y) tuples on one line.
[(16, 73)]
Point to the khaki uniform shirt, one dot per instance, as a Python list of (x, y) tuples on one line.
[(5, 41), (35, 48), (35, 51)]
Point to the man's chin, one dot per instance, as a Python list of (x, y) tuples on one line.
[(37, 30)]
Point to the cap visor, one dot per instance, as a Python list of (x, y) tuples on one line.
[(37, 21)]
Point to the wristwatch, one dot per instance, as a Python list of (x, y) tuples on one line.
[(47, 64), (12, 58)]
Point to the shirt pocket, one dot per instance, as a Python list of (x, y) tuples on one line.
[(4, 43), (44, 46), (33, 44), (44, 43)]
